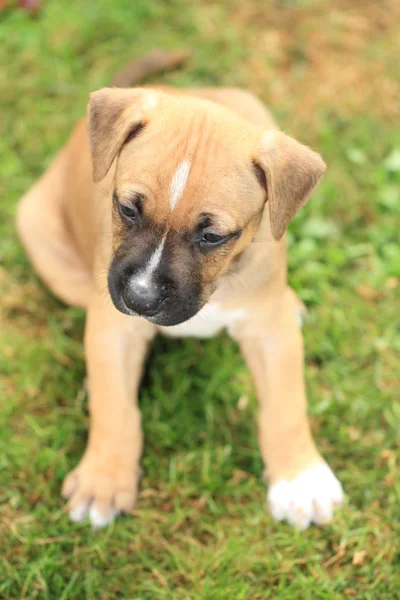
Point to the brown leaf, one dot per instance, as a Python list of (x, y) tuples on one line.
[(388, 480), (353, 433), (386, 456), (242, 402), (367, 292), (392, 283), (359, 557), (238, 476), (340, 553)]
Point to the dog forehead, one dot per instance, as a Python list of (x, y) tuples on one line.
[(198, 163), (182, 192), (207, 188)]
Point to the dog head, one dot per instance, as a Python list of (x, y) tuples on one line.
[(190, 186)]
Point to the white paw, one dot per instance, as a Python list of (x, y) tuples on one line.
[(97, 518), (309, 498)]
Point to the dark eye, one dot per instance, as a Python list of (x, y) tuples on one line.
[(212, 238), (128, 211)]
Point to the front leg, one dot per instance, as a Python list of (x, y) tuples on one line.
[(302, 487), (105, 482)]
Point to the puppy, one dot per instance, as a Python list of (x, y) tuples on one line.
[(165, 190)]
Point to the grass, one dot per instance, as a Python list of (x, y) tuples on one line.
[(200, 529)]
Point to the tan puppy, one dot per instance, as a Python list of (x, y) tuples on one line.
[(184, 181)]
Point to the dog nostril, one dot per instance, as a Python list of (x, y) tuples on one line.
[(145, 302)]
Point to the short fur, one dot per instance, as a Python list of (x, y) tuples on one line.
[(246, 182)]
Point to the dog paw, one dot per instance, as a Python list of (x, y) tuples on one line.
[(100, 490), (311, 497)]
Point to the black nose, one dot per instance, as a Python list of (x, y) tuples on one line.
[(144, 300)]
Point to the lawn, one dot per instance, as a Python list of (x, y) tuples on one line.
[(200, 529)]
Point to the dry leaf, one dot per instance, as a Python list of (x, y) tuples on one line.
[(353, 433), (340, 553), (388, 480), (238, 476), (392, 283), (367, 292), (359, 557), (242, 402), (386, 455)]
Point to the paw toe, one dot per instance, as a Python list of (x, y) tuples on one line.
[(70, 485), (78, 513), (309, 498), (101, 516), (124, 500)]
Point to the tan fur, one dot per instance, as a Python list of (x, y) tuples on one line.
[(292, 172), (65, 223)]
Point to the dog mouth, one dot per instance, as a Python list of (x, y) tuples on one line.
[(161, 299), (162, 317), (170, 311)]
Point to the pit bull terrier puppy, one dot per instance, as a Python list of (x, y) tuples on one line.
[(148, 219)]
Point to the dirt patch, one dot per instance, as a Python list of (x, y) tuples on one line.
[(305, 58)]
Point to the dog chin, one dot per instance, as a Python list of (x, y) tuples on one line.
[(170, 318), (164, 318)]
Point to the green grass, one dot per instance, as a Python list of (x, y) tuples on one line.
[(200, 529)]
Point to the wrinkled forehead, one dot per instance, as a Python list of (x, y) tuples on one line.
[(190, 166)]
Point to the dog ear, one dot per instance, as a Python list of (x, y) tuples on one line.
[(114, 116), (290, 172)]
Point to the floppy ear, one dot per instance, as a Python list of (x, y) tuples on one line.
[(292, 171), (114, 115)]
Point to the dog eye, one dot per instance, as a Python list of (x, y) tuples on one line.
[(129, 212), (211, 239)]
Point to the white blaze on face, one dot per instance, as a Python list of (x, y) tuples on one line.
[(144, 278), (178, 182)]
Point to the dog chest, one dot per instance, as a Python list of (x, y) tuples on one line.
[(209, 321)]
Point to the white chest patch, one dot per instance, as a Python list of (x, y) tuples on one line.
[(209, 321)]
